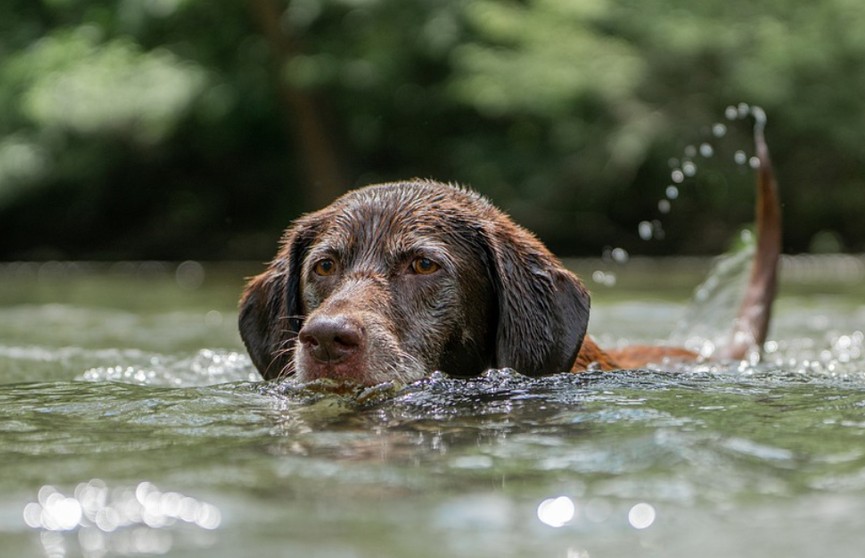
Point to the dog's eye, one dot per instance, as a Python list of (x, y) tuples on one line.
[(424, 266), (325, 267)]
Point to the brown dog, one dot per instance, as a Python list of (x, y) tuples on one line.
[(393, 281)]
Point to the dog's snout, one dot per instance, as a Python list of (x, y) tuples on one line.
[(331, 339)]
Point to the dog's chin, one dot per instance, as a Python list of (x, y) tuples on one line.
[(351, 370), (357, 370)]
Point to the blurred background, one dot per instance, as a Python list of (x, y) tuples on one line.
[(197, 129)]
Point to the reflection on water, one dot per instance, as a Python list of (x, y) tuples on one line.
[(102, 401), (641, 516), (555, 512), (207, 367), (121, 520)]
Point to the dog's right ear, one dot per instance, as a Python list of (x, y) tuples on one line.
[(270, 308)]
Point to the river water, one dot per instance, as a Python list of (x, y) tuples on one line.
[(133, 423)]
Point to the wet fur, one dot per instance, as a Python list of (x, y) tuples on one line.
[(500, 298)]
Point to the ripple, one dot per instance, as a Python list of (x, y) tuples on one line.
[(207, 367)]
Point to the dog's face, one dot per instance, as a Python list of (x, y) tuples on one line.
[(390, 292), (394, 281)]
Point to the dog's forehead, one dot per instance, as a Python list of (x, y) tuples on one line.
[(379, 227), (399, 216)]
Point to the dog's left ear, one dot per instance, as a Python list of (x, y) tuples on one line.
[(543, 307)]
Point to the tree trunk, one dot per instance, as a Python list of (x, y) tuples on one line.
[(304, 118)]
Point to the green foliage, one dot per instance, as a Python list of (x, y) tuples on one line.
[(76, 83), (543, 59), (192, 128)]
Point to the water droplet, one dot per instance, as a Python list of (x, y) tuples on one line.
[(690, 151), (678, 176), (673, 163), (719, 130), (706, 150), (658, 230), (672, 192), (619, 255), (740, 157), (731, 113), (604, 278), (689, 168), (754, 162), (744, 110), (645, 230), (664, 206)]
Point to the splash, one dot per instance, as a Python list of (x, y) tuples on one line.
[(683, 170), (758, 257), (686, 167), (206, 367), (705, 324)]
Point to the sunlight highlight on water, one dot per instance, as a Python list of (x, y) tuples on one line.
[(207, 367), (122, 519), (641, 516), (556, 512), (93, 504)]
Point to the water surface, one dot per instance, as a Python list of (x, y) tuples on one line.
[(132, 422)]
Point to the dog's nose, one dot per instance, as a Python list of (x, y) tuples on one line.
[(331, 339)]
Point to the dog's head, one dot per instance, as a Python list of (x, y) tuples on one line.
[(393, 281)]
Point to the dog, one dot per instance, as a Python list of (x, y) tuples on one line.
[(393, 281)]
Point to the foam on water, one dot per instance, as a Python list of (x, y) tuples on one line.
[(206, 367)]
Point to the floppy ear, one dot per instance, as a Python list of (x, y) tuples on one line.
[(270, 308), (543, 307)]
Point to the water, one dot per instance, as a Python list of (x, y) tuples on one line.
[(132, 423)]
